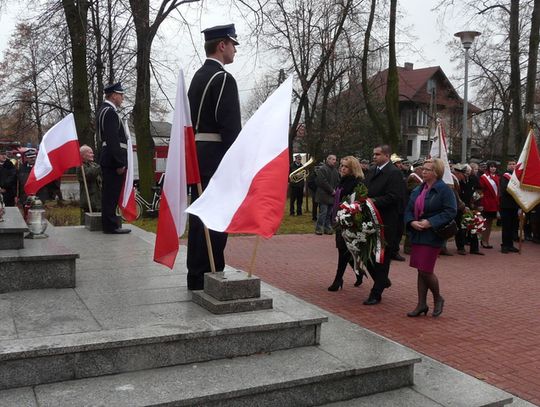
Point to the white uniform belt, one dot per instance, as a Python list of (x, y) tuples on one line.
[(122, 145), (216, 137)]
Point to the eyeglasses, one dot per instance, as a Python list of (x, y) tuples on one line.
[(428, 169)]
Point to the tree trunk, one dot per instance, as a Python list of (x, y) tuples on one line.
[(515, 76), (392, 85), (141, 110), (372, 112), (534, 41), (77, 17)]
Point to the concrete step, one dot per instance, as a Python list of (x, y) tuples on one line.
[(47, 359), (42, 263), (12, 229), (297, 377)]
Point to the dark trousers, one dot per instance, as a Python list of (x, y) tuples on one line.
[(296, 198), (111, 189), (393, 246), (198, 261), (463, 234), (314, 205), (379, 274), (509, 223)]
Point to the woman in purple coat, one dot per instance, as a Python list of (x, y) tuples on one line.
[(431, 205)]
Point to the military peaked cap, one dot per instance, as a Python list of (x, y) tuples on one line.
[(114, 88), (220, 31)]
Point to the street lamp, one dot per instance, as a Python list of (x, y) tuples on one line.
[(467, 38)]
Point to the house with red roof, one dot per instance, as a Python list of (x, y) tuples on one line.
[(424, 94)]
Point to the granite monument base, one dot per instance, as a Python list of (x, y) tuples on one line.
[(92, 221), (231, 293)]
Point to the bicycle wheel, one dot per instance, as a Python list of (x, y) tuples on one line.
[(139, 211), (119, 213)]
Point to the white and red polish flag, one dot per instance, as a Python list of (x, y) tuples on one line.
[(58, 151), (439, 150), (524, 185), (127, 202), (248, 191), (182, 169)]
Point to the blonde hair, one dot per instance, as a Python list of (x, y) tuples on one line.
[(438, 166), (354, 165)]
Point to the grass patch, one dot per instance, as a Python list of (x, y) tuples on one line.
[(68, 214)]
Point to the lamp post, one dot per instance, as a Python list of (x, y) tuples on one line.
[(467, 38)]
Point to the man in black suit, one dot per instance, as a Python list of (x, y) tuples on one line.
[(385, 188), (113, 159), (215, 114)]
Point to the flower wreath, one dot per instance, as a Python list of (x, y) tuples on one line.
[(361, 227), (473, 221)]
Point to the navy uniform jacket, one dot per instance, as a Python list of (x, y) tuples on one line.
[(111, 136), (220, 113)]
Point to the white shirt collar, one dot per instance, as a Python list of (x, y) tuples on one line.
[(217, 60), (384, 165), (112, 104)]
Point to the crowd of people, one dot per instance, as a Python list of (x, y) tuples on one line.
[(14, 171), (413, 199)]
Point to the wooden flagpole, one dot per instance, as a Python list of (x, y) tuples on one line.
[(253, 257), (207, 237), (86, 188)]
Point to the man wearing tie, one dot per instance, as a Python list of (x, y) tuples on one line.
[(385, 188)]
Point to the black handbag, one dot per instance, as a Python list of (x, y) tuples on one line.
[(447, 231)]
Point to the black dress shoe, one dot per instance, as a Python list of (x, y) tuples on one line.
[(478, 253), (513, 249), (118, 231), (372, 301), (398, 257)]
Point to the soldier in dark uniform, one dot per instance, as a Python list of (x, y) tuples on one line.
[(296, 191), (113, 160), (215, 114)]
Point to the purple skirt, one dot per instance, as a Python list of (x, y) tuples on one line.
[(423, 257)]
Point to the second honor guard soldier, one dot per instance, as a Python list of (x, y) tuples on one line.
[(215, 114), (113, 160)]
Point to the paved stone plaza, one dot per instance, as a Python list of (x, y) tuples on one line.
[(129, 335), (490, 327)]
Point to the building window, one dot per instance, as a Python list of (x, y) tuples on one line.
[(424, 148), (418, 118), (409, 147)]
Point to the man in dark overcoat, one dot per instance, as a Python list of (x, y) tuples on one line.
[(385, 188), (327, 180), (509, 211), (113, 159), (215, 114), (8, 180)]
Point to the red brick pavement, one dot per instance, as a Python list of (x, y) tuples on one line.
[(490, 327)]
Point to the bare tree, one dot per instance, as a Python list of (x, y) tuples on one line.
[(534, 42), (392, 85), (76, 13), (145, 34)]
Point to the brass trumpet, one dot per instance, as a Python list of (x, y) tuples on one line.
[(300, 174)]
